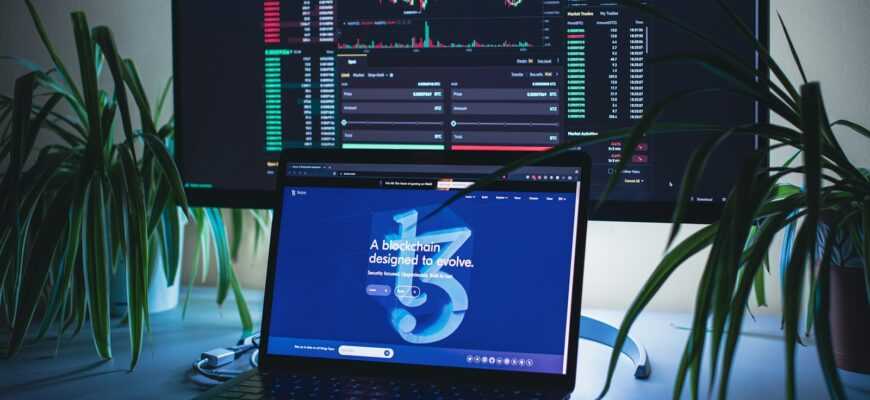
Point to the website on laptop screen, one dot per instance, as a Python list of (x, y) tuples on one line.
[(365, 271)]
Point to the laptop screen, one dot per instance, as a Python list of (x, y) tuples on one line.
[(367, 270)]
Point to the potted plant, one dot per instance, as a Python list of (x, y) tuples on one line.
[(89, 207), (760, 206)]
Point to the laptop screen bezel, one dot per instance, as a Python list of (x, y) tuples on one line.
[(409, 371)]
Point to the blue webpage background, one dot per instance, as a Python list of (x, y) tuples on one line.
[(517, 289)]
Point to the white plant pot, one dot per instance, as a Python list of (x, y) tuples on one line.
[(161, 296)]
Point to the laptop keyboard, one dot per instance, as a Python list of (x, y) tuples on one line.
[(266, 386)]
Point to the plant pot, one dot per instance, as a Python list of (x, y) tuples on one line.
[(850, 309), (161, 296), (850, 320)]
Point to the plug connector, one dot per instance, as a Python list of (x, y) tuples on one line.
[(218, 357)]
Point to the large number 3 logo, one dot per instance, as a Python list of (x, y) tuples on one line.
[(452, 313)]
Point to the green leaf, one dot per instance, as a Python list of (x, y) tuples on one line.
[(96, 261), (238, 229), (639, 131), (40, 259), (745, 79), (168, 168), (11, 202), (766, 58), (759, 284), (119, 213), (691, 178), (785, 190), (172, 233), (692, 355), (77, 106), (259, 229), (794, 52), (90, 89), (679, 254), (167, 132), (757, 253), (40, 29), (831, 147), (823, 323), (79, 297), (206, 239), (162, 101), (131, 77), (161, 201), (242, 305), (200, 253), (70, 243), (103, 36), (9, 185), (853, 126), (108, 122), (73, 138), (160, 245), (222, 252), (36, 124), (792, 293), (24, 63), (812, 127), (98, 58), (787, 245), (138, 262), (751, 190)]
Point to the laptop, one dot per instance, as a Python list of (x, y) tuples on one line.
[(388, 278)]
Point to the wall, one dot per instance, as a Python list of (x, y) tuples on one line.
[(142, 29), (831, 36)]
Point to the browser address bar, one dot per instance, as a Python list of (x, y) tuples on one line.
[(453, 185)]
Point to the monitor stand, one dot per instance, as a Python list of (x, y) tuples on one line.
[(604, 333)]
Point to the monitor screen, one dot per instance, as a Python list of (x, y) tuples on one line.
[(381, 278), (256, 77)]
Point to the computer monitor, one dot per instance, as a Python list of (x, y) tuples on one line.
[(256, 77)]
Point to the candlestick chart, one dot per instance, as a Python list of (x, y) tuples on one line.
[(441, 24)]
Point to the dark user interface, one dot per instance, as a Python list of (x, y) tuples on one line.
[(256, 77)]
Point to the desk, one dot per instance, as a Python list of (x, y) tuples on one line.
[(174, 343)]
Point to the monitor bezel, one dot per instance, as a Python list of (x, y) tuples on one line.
[(625, 211), (543, 381)]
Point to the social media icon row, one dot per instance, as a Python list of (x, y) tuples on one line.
[(508, 362)]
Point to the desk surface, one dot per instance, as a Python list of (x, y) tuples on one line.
[(174, 343)]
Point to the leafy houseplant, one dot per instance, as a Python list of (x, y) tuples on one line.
[(86, 206), (74, 214), (759, 207)]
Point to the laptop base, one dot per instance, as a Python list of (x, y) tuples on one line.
[(259, 384)]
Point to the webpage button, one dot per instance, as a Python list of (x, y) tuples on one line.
[(378, 290)]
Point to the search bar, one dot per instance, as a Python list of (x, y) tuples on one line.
[(368, 352), (453, 185)]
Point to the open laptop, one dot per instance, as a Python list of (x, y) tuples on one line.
[(372, 292)]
